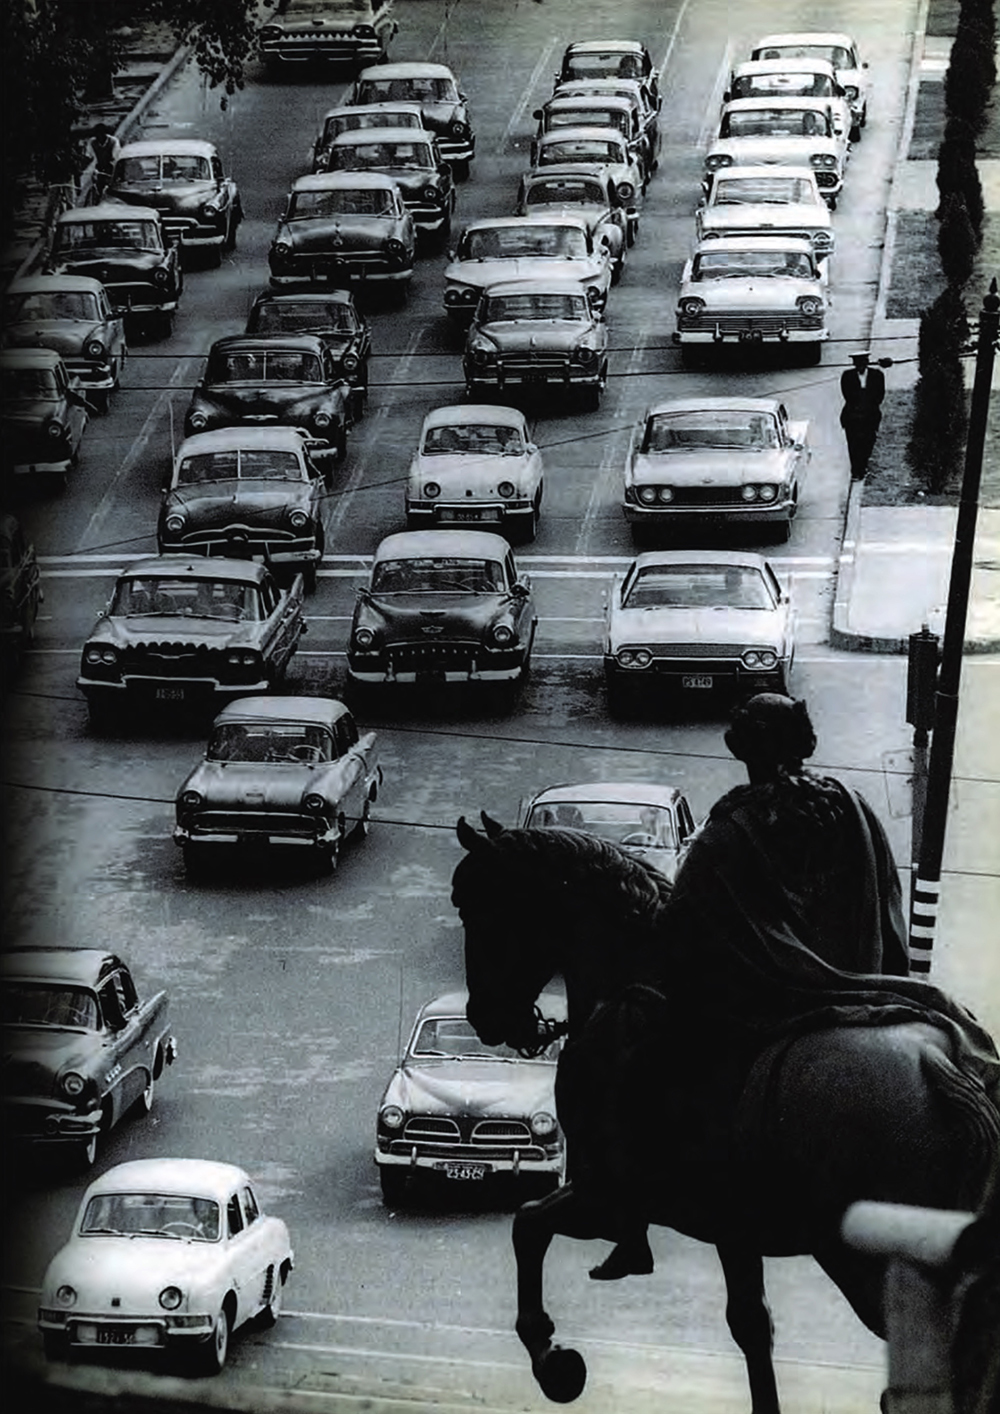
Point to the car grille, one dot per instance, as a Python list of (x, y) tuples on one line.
[(235, 538), (420, 657), (255, 822), (712, 496), (441, 1137), (747, 321), (173, 660), (345, 264), (337, 48)]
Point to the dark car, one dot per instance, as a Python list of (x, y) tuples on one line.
[(71, 314), (20, 591), (411, 158), (443, 606), (289, 381), (443, 104), (246, 491), (328, 31), (280, 771), (607, 59), (344, 227), (81, 1048), (347, 118), (333, 317), (128, 251), (184, 630), (42, 415), (537, 336), (182, 179)]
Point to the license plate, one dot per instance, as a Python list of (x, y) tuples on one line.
[(462, 515), (534, 376), (112, 1335), (751, 336), (431, 675), (465, 1172), (170, 694), (697, 680)]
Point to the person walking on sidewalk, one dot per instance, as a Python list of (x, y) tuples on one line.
[(863, 388), (106, 149)]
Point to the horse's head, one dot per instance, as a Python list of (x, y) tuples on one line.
[(539, 902)]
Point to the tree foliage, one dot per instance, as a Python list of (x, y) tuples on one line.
[(935, 451), (222, 34)]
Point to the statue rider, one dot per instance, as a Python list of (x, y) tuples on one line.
[(788, 885)]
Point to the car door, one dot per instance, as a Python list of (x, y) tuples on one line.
[(282, 612), (246, 1257), (129, 1055), (524, 608), (352, 767)]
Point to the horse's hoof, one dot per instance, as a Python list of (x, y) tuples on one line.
[(561, 1374)]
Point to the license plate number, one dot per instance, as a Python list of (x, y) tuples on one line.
[(751, 336), (170, 694), (465, 1172), (462, 514), (431, 676), (697, 680)]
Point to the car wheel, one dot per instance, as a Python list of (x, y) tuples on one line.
[(363, 828), (811, 353), (855, 134), (268, 1317), (210, 1356), (309, 573), (618, 268), (195, 860), (100, 400), (394, 1183), (103, 715), (591, 399), (144, 1104)]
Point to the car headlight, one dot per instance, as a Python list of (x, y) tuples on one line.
[(431, 194), (502, 635), (822, 240), (759, 658), (543, 1124), (507, 490), (822, 159), (431, 489), (365, 32), (55, 429), (175, 523), (211, 209), (100, 654), (717, 160), (458, 128), (95, 348), (748, 493), (634, 657), (583, 353), (664, 494), (349, 362), (460, 294), (298, 519), (314, 802), (691, 306), (65, 1295), (72, 1084), (161, 275), (171, 1297), (647, 495), (191, 799), (768, 492), (198, 421), (391, 1117), (271, 32), (809, 304), (395, 247), (281, 249), (626, 191), (595, 294), (321, 419), (364, 638), (242, 658), (851, 92), (483, 353)]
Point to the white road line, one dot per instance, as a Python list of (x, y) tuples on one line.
[(710, 124), (522, 103)]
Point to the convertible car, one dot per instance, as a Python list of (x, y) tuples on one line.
[(166, 1260), (457, 1110), (82, 1049), (280, 770), (186, 630), (651, 822)]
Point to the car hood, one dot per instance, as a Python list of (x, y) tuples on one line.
[(754, 292), (479, 273), (765, 216), (167, 199), (166, 631), (473, 1087), (264, 400), (218, 503), (455, 473), (709, 467), (255, 784), (675, 625), (130, 1271), (109, 265), (344, 233), (594, 214), (57, 334), (518, 336), (463, 614), (410, 180), (35, 1055), (28, 414)]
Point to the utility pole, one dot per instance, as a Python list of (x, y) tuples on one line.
[(927, 885), (924, 655)]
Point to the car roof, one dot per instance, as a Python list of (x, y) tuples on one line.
[(108, 211), (616, 101), (538, 284), (459, 413), (81, 965), (454, 1004), (176, 146), (803, 36), (389, 105), (290, 439), (415, 544), (766, 170), (298, 343), (205, 1177), (30, 358), (713, 404), (699, 557), (37, 284), (490, 223), (751, 241), (640, 792), (777, 100), (198, 567), (790, 64), (606, 46), (406, 69), (580, 130), (314, 296), (322, 711), (353, 181), (354, 137)]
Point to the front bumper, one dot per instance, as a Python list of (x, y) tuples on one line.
[(55, 466), (241, 546), (436, 513), (771, 513), (509, 374), (195, 234), (88, 1330), (250, 827), (432, 668), (363, 267), (35, 1122), (177, 691), (335, 49), (695, 675)]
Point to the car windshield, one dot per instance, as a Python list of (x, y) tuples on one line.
[(48, 1004), (41, 305), (749, 264), (270, 742), (169, 1215), (775, 122), (304, 317), (327, 7), (169, 596), (807, 85), (381, 156), (728, 429), (240, 464), (611, 64), (27, 385), (698, 587), (761, 191), (351, 119), (535, 305), (107, 235), (836, 54), (341, 201), (442, 574), (578, 149), (620, 821), (565, 191), (473, 439), (586, 118), (519, 242), (452, 1038), (264, 366), (156, 169), (417, 89)]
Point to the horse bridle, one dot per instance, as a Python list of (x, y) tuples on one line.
[(548, 1030)]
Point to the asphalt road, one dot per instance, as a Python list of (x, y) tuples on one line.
[(290, 994)]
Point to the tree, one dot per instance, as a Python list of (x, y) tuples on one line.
[(940, 418), (222, 33), (957, 242)]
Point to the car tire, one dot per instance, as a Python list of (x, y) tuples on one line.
[(309, 573), (591, 398), (195, 860), (362, 829), (100, 400), (811, 354), (209, 1358), (395, 1184), (144, 1104), (618, 268), (103, 716), (619, 697)]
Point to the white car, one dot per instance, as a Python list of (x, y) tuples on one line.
[(581, 190), (167, 1257), (651, 822), (725, 460), (797, 132), (524, 248), (841, 51), (476, 465), (695, 623), (792, 78), (345, 119), (766, 201), (750, 291)]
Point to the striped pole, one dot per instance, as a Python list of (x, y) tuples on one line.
[(924, 897)]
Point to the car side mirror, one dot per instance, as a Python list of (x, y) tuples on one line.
[(519, 589)]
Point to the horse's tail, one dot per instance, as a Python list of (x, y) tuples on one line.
[(971, 1109)]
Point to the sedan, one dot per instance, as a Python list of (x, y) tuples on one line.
[(347, 119), (253, 491), (167, 1258), (643, 99), (605, 59), (42, 414), (443, 607), (127, 249), (597, 148), (696, 622), (456, 1110), (410, 156), (280, 771), (538, 336), (842, 53), (620, 115), (444, 106), (586, 191), (796, 132), (766, 201), (182, 179), (72, 315), (792, 78), (476, 465), (333, 317), (344, 227), (651, 822)]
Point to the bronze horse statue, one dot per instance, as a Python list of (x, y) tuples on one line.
[(881, 1088)]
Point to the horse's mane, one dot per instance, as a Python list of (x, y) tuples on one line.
[(598, 875)]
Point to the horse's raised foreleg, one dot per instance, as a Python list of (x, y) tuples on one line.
[(561, 1373), (749, 1319)]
